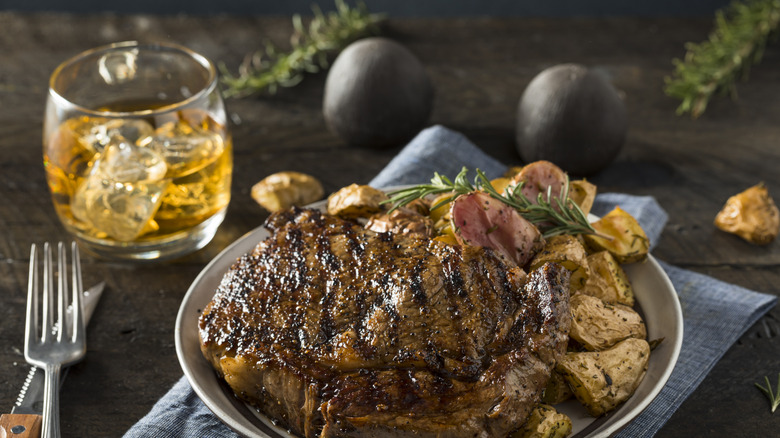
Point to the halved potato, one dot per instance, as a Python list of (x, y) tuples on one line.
[(282, 190), (625, 239), (544, 422), (355, 201), (751, 215), (449, 239), (441, 211), (608, 280), (569, 252), (500, 184), (583, 194), (602, 380), (597, 325)]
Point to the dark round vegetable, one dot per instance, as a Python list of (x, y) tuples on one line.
[(377, 94), (572, 116)]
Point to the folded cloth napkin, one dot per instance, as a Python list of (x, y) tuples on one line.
[(715, 313)]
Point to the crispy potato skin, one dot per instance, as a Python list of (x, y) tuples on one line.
[(627, 241), (501, 184), (356, 201), (608, 280), (597, 325), (545, 422), (442, 210), (583, 194), (602, 380), (282, 190), (751, 215), (569, 252)]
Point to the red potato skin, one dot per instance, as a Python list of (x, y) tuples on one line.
[(480, 220)]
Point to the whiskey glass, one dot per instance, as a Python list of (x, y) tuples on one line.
[(137, 151)]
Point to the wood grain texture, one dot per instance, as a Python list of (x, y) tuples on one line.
[(480, 68), (20, 426)]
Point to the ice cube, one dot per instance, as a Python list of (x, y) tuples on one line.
[(123, 191), (119, 66), (186, 148), (97, 132)]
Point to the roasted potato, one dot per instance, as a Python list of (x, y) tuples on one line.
[(608, 280), (624, 237), (569, 252), (544, 422), (500, 184), (444, 227), (441, 211), (602, 380), (282, 190), (751, 215), (583, 194), (597, 325), (449, 239), (557, 390), (444, 231), (356, 201)]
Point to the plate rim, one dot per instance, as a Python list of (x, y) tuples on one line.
[(246, 427)]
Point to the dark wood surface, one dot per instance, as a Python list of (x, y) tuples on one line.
[(480, 68)]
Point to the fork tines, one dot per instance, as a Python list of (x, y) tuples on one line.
[(63, 326)]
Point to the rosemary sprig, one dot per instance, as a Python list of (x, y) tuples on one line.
[(774, 399), (439, 184), (741, 32), (267, 70), (552, 214)]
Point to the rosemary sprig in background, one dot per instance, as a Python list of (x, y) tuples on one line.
[(552, 214), (774, 399), (327, 34), (741, 32)]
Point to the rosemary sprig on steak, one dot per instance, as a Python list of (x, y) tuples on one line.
[(552, 214)]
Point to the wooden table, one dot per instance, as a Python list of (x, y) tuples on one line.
[(480, 68)]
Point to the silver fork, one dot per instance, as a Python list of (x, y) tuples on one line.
[(47, 350)]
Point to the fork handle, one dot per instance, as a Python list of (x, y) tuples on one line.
[(51, 402)]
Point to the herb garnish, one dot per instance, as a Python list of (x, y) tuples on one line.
[(774, 399), (552, 214), (267, 70), (737, 41)]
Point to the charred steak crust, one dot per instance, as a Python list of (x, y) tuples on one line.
[(334, 330)]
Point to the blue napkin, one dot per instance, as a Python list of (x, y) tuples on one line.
[(715, 313)]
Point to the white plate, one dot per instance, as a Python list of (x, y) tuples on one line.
[(654, 293)]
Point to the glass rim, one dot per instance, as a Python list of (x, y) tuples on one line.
[(211, 82)]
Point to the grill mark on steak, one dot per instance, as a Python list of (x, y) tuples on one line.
[(391, 335), (415, 282), (297, 275), (455, 290), (327, 262), (327, 328), (454, 277)]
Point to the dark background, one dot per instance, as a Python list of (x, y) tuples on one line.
[(396, 8)]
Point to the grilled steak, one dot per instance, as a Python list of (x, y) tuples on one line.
[(334, 330)]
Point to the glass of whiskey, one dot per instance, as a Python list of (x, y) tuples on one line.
[(136, 149)]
